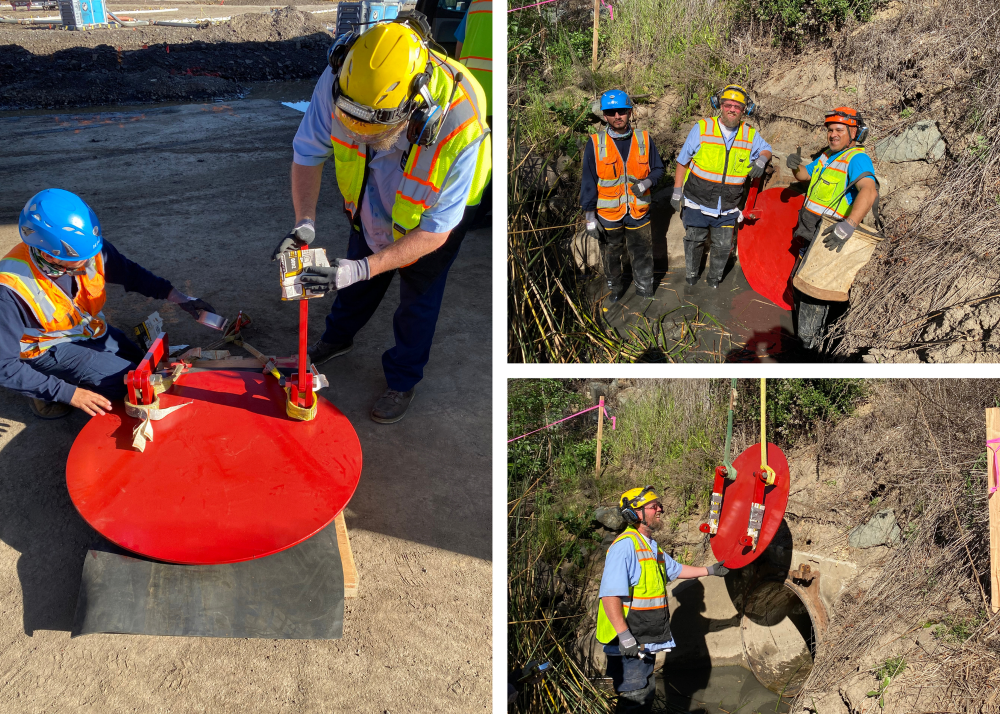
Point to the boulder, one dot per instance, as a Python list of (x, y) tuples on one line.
[(881, 529), (610, 518), (920, 142)]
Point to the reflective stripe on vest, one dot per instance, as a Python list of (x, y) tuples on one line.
[(61, 319), (646, 609), (426, 167), (828, 182), (615, 176), (477, 47)]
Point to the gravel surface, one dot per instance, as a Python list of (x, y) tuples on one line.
[(42, 68)]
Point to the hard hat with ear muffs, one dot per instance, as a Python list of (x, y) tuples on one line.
[(850, 118), (736, 93), (381, 79), (633, 499)]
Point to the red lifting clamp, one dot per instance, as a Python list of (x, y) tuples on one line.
[(140, 379), (756, 511), (712, 527)]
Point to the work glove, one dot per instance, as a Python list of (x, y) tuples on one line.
[(794, 160), (641, 187), (298, 238), (718, 569), (193, 306), (627, 644), (837, 235), (757, 169), (592, 229), (338, 276), (675, 199)]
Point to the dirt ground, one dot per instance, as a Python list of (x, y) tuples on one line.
[(199, 194), (43, 68)]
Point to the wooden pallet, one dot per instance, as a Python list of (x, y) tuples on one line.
[(351, 578)]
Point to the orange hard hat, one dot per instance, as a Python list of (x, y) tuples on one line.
[(842, 115)]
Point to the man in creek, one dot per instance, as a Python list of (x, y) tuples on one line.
[(633, 619), (842, 186), (620, 166), (715, 161), (406, 128)]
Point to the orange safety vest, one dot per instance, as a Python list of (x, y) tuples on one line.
[(615, 177), (62, 319)]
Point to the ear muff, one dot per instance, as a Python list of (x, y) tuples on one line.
[(862, 131), (714, 101), (749, 108), (426, 118), (338, 51), (628, 513)]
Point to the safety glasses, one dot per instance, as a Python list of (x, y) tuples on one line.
[(617, 112)]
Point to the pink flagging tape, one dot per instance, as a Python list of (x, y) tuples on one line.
[(611, 10), (596, 406), (996, 464)]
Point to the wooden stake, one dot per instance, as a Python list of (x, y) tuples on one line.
[(600, 432), (597, 22), (993, 432)]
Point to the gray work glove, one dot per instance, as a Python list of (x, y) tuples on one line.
[(837, 235), (717, 569), (675, 199), (757, 170), (193, 306), (627, 644), (591, 228), (298, 238), (794, 160), (641, 187), (338, 276)]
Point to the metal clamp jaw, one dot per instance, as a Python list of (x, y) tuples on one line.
[(142, 380)]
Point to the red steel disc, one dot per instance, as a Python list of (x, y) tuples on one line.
[(765, 245), (227, 478), (736, 499)]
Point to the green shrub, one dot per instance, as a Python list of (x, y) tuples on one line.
[(795, 21), (795, 405)]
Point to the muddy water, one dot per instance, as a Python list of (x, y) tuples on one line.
[(717, 690)]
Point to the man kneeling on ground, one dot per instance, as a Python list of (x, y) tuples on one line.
[(56, 346)]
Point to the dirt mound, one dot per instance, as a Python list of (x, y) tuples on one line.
[(281, 24)]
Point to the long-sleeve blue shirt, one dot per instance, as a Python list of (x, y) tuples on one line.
[(588, 178), (18, 375)]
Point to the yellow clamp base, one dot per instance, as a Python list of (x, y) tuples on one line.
[(295, 411)]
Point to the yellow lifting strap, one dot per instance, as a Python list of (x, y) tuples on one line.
[(763, 433)]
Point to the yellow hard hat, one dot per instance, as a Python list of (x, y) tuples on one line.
[(638, 497), (376, 80), (736, 93)]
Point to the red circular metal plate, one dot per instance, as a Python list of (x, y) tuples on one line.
[(765, 245), (227, 478), (736, 500)]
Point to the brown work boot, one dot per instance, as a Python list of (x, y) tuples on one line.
[(49, 410), (392, 406)]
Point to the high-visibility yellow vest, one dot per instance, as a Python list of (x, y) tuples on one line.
[(829, 183), (716, 170), (647, 613), (426, 166), (477, 47), (62, 319), (615, 177)]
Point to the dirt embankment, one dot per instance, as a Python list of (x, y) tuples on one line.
[(42, 68)]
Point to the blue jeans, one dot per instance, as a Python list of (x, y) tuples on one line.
[(634, 682), (413, 324), (98, 365)]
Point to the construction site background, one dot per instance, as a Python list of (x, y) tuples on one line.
[(921, 73)]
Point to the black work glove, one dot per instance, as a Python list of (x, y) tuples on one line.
[(757, 170), (591, 228), (192, 307), (627, 644), (640, 188), (794, 160), (717, 569), (298, 238), (675, 199), (837, 235)]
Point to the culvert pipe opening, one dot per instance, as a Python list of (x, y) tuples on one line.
[(779, 636)]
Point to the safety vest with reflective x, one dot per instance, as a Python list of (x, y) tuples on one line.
[(827, 194), (477, 47), (647, 613), (717, 171), (62, 319), (615, 176), (426, 167)]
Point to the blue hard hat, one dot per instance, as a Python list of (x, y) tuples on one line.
[(60, 224), (615, 99)]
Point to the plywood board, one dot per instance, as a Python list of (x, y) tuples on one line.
[(993, 432), (346, 558)]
